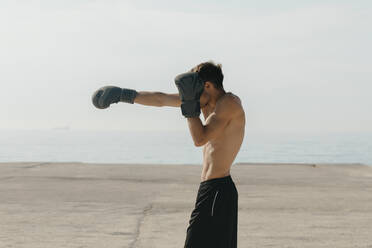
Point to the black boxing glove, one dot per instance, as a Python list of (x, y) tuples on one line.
[(190, 87), (103, 97)]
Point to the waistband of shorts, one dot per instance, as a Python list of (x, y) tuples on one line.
[(226, 179)]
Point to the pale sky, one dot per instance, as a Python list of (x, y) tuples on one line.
[(298, 66)]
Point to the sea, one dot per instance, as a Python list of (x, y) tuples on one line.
[(176, 147)]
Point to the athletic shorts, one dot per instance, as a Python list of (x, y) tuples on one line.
[(214, 220)]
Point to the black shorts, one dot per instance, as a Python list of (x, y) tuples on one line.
[(214, 220)]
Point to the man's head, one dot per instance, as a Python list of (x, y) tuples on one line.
[(212, 76)]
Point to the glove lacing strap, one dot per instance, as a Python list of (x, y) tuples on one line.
[(128, 95)]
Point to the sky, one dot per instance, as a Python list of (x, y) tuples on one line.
[(298, 66)]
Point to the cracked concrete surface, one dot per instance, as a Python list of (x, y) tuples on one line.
[(149, 206), (140, 221)]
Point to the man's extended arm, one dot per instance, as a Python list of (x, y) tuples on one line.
[(107, 95), (157, 99)]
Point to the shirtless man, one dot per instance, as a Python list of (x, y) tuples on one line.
[(213, 222)]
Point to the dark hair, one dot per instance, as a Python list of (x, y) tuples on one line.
[(209, 71)]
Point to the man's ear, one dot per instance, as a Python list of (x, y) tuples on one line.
[(207, 85)]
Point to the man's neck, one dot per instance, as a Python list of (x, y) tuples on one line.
[(212, 102)]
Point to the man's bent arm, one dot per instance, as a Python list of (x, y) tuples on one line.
[(215, 123), (157, 99), (197, 130)]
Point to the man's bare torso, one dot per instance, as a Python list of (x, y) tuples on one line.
[(220, 152)]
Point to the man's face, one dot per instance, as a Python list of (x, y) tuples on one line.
[(205, 96), (204, 99)]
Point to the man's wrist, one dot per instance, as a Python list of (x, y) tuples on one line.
[(128, 95)]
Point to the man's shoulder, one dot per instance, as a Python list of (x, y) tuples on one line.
[(231, 100), (232, 97), (231, 103)]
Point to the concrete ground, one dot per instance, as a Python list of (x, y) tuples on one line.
[(149, 206)]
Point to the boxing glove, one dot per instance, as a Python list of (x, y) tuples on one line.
[(103, 97), (190, 87)]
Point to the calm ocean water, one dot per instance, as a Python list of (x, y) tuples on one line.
[(176, 147)]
